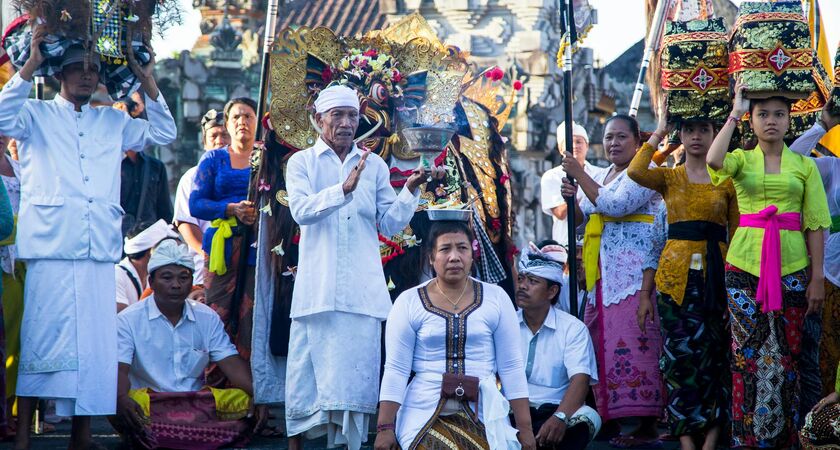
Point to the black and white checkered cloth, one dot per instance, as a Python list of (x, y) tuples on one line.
[(117, 78), (490, 269)]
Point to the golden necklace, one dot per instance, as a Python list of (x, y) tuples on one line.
[(455, 303)]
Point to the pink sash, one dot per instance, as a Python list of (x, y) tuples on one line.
[(769, 293)]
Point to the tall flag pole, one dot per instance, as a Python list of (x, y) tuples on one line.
[(567, 25), (256, 160), (654, 37)]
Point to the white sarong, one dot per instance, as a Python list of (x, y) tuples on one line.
[(332, 377), (69, 336)]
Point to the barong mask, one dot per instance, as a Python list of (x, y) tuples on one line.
[(544, 263)]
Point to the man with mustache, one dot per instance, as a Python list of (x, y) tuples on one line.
[(165, 345), (342, 198), (69, 232), (559, 357)]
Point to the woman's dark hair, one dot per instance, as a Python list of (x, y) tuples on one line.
[(240, 101), (759, 101), (441, 227), (632, 123)]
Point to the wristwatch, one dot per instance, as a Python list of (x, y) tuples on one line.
[(561, 415)]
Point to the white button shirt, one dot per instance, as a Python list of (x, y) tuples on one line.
[(70, 170), (166, 358), (339, 268), (551, 196), (126, 289), (182, 215), (559, 350)]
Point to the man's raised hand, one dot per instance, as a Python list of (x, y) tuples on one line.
[(353, 179)]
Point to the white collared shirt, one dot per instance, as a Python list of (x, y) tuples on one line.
[(182, 215), (339, 268), (559, 350), (551, 196), (126, 275), (70, 170), (168, 358)]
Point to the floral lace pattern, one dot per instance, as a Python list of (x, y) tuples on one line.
[(627, 248)]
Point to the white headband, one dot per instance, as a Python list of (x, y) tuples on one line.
[(336, 97), (171, 252), (544, 263), (149, 237), (577, 130)]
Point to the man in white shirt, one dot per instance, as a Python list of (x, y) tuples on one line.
[(69, 231), (342, 198), (559, 357), (165, 344), (131, 272), (192, 229), (551, 184)]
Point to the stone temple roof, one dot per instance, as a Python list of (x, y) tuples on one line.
[(345, 17)]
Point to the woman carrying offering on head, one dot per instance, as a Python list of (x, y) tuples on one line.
[(691, 296), (771, 283)]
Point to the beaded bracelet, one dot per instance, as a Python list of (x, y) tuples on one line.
[(386, 426)]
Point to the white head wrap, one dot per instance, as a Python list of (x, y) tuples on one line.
[(149, 237), (336, 96), (577, 130), (171, 252), (545, 263)]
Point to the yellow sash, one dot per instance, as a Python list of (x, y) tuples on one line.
[(231, 404), (224, 230), (592, 242)]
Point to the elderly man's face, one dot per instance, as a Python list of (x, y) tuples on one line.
[(338, 126), (216, 137), (171, 283)]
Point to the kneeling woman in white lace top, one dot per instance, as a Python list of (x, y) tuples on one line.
[(455, 334)]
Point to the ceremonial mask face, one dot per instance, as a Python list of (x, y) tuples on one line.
[(697, 137), (338, 126), (770, 119), (452, 257)]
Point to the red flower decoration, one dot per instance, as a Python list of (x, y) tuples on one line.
[(495, 74), (326, 74), (476, 249), (496, 224), (517, 85), (371, 53), (397, 77), (504, 178), (296, 239)]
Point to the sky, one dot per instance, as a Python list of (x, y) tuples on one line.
[(628, 16)]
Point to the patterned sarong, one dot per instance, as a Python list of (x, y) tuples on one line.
[(765, 374), (830, 342), (822, 430), (201, 420), (454, 432), (694, 361)]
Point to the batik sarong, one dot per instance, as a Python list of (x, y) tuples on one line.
[(765, 347), (830, 342), (219, 290), (822, 430), (694, 363), (457, 431), (201, 420), (630, 384)]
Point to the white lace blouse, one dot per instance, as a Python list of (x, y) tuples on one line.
[(627, 248)]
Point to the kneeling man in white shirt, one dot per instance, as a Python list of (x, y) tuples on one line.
[(559, 358)]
